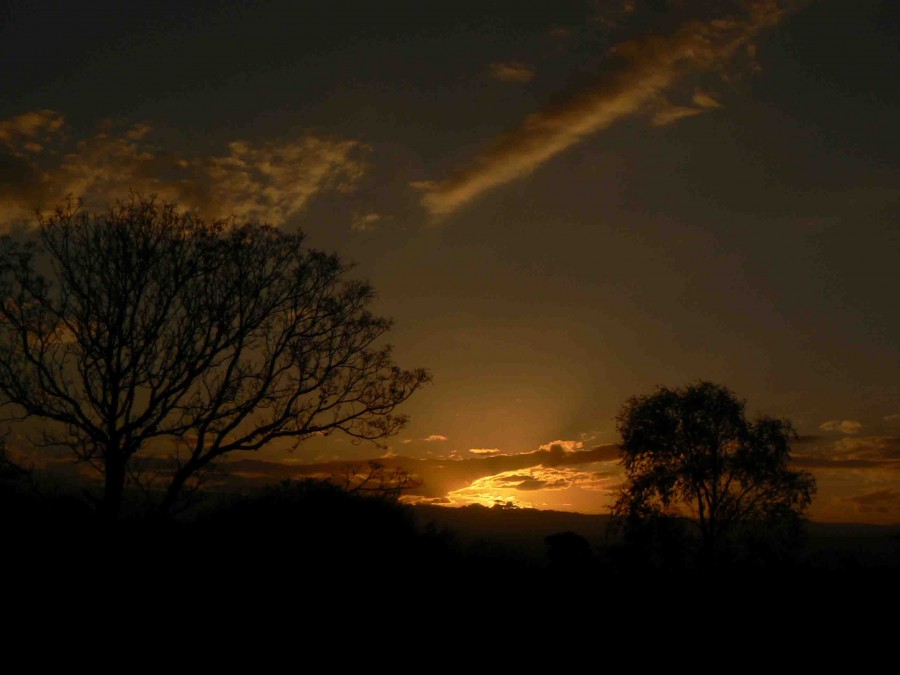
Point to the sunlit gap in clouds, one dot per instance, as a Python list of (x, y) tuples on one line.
[(588, 489), (560, 475)]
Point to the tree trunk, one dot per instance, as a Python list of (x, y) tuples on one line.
[(174, 490), (113, 487)]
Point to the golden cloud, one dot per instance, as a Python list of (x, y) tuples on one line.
[(844, 426), (869, 447), (507, 487), (363, 222), (704, 100), (268, 181), (441, 476), (881, 503), (877, 453), (510, 71), (543, 478), (643, 71), (27, 132), (668, 113), (565, 446)]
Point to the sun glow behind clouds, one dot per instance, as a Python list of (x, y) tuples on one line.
[(590, 488)]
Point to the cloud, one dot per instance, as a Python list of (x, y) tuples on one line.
[(503, 487), (872, 447), (435, 437), (485, 451), (565, 446), (668, 113), (419, 499), (510, 478), (363, 222), (880, 502), (560, 33), (673, 113), (25, 133), (270, 181), (895, 417), (642, 71), (704, 100), (510, 71), (881, 453), (441, 476), (610, 14), (844, 426)]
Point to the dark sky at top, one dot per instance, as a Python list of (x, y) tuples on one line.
[(561, 206)]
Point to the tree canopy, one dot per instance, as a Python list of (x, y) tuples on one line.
[(692, 454), (146, 332)]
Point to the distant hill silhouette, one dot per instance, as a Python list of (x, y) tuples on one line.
[(521, 533)]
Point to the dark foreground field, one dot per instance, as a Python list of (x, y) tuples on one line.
[(313, 544), (302, 560)]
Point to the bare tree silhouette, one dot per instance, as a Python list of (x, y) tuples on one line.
[(374, 478), (144, 327)]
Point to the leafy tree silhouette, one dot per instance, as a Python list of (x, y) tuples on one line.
[(691, 456), (146, 330)]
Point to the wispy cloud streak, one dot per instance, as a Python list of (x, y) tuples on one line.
[(510, 71), (643, 71)]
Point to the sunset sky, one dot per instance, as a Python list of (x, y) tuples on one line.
[(561, 207)]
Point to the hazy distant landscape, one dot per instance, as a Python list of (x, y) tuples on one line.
[(521, 532)]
